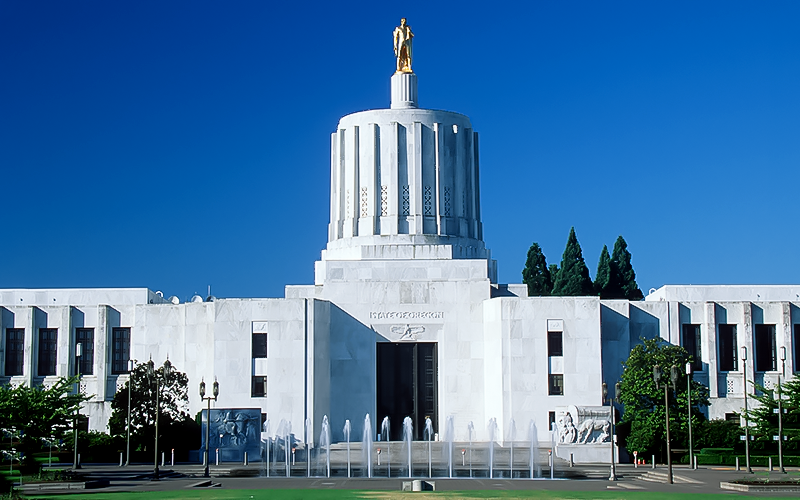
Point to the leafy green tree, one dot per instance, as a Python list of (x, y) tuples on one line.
[(39, 412), (573, 277), (764, 419), (644, 402), (536, 274), (621, 265), (176, 428)]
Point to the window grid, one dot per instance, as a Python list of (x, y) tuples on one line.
[(691, 342), (15, 351), (259, 386), (122, 350), (728, 349), (85, 338), (48, 347), (556, 385)]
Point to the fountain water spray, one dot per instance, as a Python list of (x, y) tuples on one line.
[(429, 432), (366, 445), (534, 449), (267, 446), (325, 443), (385, 436), (449, 432), (408, 436), (282, 433), (346, 432), (470, 433), (307, 439), (492, 428), (553, 437), (512, 434)]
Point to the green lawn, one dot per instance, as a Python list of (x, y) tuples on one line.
[(383, 495)]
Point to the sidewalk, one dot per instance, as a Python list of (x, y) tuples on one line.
[(138, 478)]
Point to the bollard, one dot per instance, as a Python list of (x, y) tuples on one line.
[(245, 458), (172, 460), (293, 456), (463, 457), (695, 461), (653, 462), (162, 459), (379, 456), (120, 459), (770, 464), (79, 463), (217, 463), (571, 460), (737, 464)]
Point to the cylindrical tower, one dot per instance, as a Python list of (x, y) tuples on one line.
[(404, 183)]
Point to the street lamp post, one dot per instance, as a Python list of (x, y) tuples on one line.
[(78, 352), (613, 476), (746, 420), (780, 410), (130, 389), (689, 400), (674, 378), (152, 374), (208, 416)]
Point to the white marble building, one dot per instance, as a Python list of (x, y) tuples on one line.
[(405, 316)]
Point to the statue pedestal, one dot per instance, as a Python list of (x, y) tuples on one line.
[(404, 91)]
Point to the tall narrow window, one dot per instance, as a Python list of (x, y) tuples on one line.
[(728, 347), (15, 350), (85, 338), (555, 343), (259, 345), (691, 342), (765, 348), (122, 350), (556, 385), (48, 344)]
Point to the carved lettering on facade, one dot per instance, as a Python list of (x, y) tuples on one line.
[(406, 315)]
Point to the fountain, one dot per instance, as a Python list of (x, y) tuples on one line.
[(408, 437), (346, 432), (449, 432), (267, 446), (366, 445), (325, 444), (386, 436), (534, 450), (512, 432), (492, 428), (429, 432), (470, 432)]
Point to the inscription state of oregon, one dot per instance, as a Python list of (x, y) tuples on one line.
[(406, 315)]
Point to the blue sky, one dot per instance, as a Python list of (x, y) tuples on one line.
[(176, 145)]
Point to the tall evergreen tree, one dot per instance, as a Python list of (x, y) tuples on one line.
[(536, 274), (621, 259), (573, 277), (602, 279), (553, 268)]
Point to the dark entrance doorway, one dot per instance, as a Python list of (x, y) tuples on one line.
[(407, 386)]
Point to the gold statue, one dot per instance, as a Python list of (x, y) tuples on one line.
[(402, 46)]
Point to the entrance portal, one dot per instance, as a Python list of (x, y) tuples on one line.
[(407, 386)]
